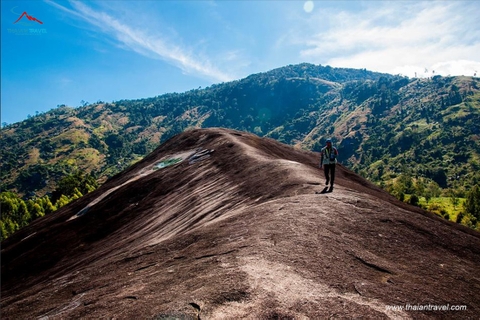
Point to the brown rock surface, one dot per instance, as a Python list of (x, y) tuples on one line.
[(240, 232)]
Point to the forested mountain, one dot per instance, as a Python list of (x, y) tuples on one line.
[(384, 126)]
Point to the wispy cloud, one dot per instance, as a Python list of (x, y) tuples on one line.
[(144, 41), (401, 38), (63, 81)]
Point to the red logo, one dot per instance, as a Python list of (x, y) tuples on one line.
[(29, 18)]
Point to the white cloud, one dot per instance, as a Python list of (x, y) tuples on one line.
[(144, 42), (399, 38), (63, 81)]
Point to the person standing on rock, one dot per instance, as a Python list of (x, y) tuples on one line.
[(328, 159)]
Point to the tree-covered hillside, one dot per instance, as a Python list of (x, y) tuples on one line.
[(386, 127), (104, 138)]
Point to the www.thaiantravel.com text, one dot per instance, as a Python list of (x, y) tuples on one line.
[(426, 307)]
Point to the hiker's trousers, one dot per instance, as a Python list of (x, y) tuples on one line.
[(329, 170)]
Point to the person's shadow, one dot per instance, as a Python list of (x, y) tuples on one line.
[(325, 190)]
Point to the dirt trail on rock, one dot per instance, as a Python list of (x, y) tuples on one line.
[(241, 232)]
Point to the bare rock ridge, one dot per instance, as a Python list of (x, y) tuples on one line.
[(222, 224)]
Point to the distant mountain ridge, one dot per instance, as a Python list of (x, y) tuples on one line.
[(382, 125)]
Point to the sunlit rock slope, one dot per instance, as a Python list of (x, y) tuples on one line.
[(222, 224)]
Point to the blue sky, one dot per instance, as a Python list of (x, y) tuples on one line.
[(112, 50)]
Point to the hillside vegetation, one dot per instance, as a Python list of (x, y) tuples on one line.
[(414, 137)]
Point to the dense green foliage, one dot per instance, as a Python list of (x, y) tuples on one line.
[(390, 129), (472, 204), (17, 212)]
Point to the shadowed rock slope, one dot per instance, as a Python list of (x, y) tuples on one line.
[(221, 224)]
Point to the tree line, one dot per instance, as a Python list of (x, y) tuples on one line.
[(409, 189), (17, 213)]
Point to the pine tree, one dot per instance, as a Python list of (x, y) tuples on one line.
[(64, 200), (472, 204), (15, 214)]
